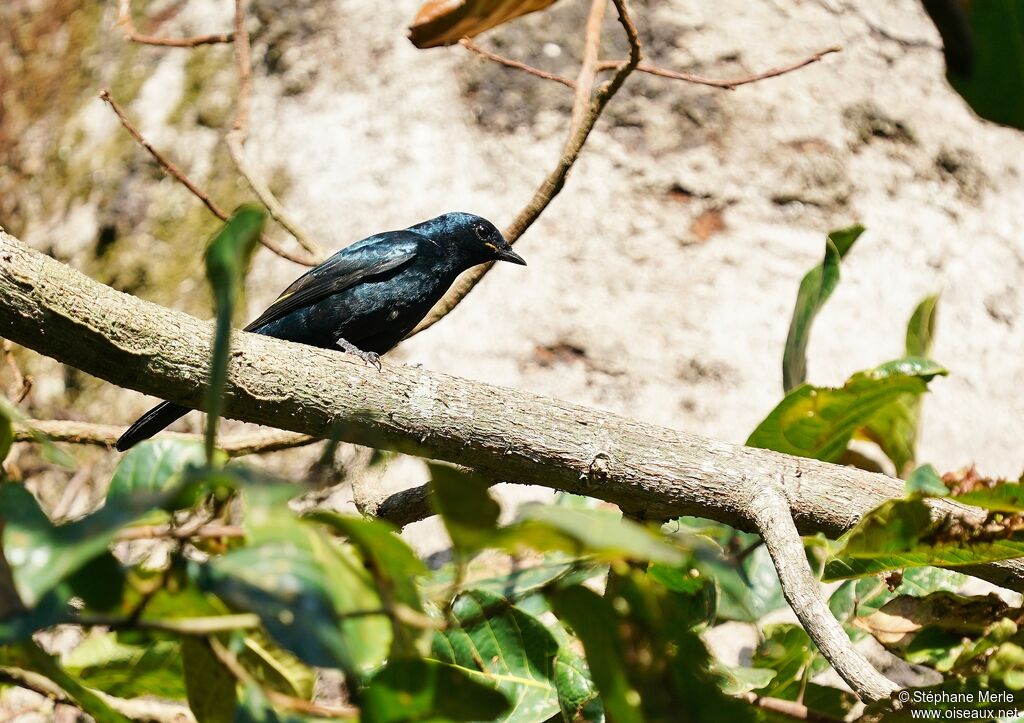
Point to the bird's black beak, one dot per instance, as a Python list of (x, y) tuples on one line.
[(507, 254)]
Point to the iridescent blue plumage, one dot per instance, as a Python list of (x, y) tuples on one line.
[(367, 297)]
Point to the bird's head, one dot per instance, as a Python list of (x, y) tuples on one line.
[(473, 237)]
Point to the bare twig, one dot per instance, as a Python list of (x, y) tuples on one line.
[(588, 68), (241, 123), (208, 625), (555, 180), (176, 173), (105, 435), (789, 708), (728, 84), (124, 19), (771, 513), (134, 708), (235, 142), (510, 63), (211, 530)]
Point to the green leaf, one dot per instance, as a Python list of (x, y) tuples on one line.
[(155, 466), (602, 533), (500, 645), (925, 482), (787, 651), (815, 289), (872, 593), (462, 500), (285, 586), (894, 427), (127, 670), (921, 327), (210, 686), (393, 565), (409, 690), (818, 422), (578, 697), (227, 260), (596, 624), (336, 569), (275, 667), (1002, 497), (984, 48), (87, 700), (6, 435), (737, 680), (42, 554), (901, 533)]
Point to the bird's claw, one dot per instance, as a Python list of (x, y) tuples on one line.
[(370, 358)]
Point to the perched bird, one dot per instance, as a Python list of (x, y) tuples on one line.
[(367, 297)]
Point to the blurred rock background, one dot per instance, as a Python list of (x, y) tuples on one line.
[(661, 281)]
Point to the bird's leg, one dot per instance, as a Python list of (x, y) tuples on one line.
[(369, 357)]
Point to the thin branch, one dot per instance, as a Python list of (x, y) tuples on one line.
[(771, 513), (510, 63), (729, 84), (555, 180), (241, 123), (134, 708), (788, 708), (208, 625), (235, 142), (105, 435), (176, 173), (212, 530), (502, 433), (124, 20), (588, 68)]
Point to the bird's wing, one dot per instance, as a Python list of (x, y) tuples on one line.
[(359, 262)]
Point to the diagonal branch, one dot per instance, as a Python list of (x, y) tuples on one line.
[(468, 44), (555, 181), (771, 512), (505, 434), (177, 174)]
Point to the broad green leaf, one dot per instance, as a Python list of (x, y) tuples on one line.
[(602, 533), (901, 533), (597, 625), (694, 591), (155, 466), (521, 583), (817, 285), (210, 686), (340, 572), (39, 662), (409, 690), (128, 670), (393, 565), (983, 43), (1001, 497), (42, 554), (818, 422), (577, 695), (462, 500), (227, 260), (737, 680), (894, 427), (500, 645), (290, 591), (925, 482)]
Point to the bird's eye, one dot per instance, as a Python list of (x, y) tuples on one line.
[(481, 232)]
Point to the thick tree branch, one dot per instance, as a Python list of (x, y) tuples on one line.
[(505, 434), (772, 516)]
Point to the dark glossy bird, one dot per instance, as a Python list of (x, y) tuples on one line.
[(368, 296)]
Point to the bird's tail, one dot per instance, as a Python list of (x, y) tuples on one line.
[(150, 423)]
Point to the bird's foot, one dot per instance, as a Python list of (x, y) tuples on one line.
[(369, 358)]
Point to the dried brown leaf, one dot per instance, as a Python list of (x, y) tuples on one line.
[(445, 22)]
